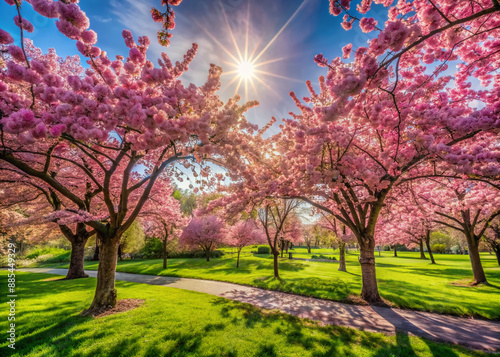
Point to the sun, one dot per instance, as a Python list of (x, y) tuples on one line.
[(246, 70), (245, 67)]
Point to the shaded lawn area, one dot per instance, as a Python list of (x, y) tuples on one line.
[(406, 281), (174, 322)]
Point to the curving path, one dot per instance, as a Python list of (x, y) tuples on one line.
[(476, 334)]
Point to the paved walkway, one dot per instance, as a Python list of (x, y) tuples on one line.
[(476, 334)]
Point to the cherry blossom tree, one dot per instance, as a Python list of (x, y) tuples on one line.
[(244, 233), (45, 205), (105, 122), (205, 232), (386, 116), (342, 236), (291, 233), (162, 216), (467, 207)]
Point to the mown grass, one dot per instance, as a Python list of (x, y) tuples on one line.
[(174, 322), (406, 281)]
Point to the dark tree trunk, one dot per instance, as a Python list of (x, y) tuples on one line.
[(309, 248), (120, 252), (165, 253), (395, 250), (497, 253), (238, 259), (475, 260), (342, 266), (76, 264), (282, 247), (428, 244), (421, 247), (276, 273), (369, 291), (286, 246), (105, 293), (96, 250)]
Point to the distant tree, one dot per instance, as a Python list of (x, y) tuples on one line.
[(205, 232), (244, 233)]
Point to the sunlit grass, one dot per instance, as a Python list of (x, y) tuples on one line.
[(174, 322)]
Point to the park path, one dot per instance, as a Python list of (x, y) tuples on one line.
[(472, 333)]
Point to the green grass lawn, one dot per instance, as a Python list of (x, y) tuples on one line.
[(405, 281), (174, 322)]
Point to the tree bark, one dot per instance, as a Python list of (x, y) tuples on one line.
[(309, 248), (96, 251), (208, 255), (276, 273), (77, 265), (369, 291), (428, 244), (282, 247), (475, 260), (342, 266), (105, 293), (497, 253), (165, 253), (395, 250), (286, 246), (421, 247), (238, 259), (120, 252)]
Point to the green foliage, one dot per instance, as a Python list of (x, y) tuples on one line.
[(441, 238), (37, 251), (133, 239), (322, 256), (178, 323), (152, 248), (439, 248), (264, 250), (196, 254)]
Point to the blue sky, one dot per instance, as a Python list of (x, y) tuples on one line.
[(312, 30)]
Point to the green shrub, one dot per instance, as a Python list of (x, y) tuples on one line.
[(439, 248), (53, 251), (196, 254), (322, 256), (152, 249), (264, 250)]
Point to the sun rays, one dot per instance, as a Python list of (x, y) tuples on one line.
[(245, 65)]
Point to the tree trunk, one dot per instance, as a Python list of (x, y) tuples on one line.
[(165, 253), (208, 255), (497, 253), (286, 246), (238, 259), (395, 250), (475, 260), (309, 248), (342, 266), (105, 293), (369, 292), (120, 252), (282, 246), (96, 251), (76, 264), (428, 244), (421, 247), (276, 273)]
